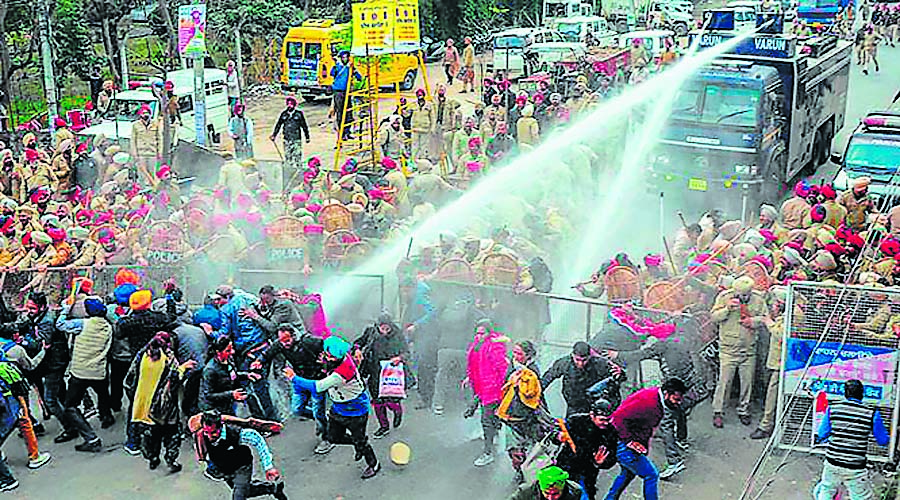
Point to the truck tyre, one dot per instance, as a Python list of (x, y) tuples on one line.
[(681, 29), (309, 97), (409, 81), (774, 183)]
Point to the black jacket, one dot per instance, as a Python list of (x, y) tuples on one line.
[(42, 330), (588, 439), (140, 326), (376, 348), (303, 355), (294, 123), (218, 382), (576, 381), (282, 311)]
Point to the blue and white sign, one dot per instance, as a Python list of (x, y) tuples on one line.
[(764, 46)]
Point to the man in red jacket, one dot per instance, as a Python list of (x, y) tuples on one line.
[(635, 420)]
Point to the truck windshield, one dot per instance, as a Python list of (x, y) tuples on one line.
[(872, 155), (127, 109), (570, 30), (717, 103), (294, 49), (509, 42)]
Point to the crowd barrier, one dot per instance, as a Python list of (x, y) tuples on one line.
[(835, 333)]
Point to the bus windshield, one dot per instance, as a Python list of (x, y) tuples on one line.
[(573, 29), (717, 103)]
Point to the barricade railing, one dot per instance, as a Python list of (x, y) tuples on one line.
[(56, 282)]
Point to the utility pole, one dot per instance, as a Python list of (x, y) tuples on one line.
[(123, 55), (239, 60), (47, 59), (199, 100)]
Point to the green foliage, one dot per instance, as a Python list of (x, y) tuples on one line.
[(72, 47)]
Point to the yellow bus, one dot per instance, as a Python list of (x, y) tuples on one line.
[(309, 52)]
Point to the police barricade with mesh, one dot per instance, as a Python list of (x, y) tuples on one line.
[(57, 282), (357, 311), (835, 333)]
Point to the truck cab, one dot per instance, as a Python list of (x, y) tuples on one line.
[(873, 151)]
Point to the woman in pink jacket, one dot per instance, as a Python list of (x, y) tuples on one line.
[(486, 365)]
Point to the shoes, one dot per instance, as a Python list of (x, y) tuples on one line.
[(760, 434), (39, 429), (371, 471), (398, 419), (671, 470), (39, 462), (865, 72), (65, 437), (175, 467), (358, 456), (745, 419), (154, 463), (107, 422), (323, 447), (484, 459), (214, 474), (717, 421), (683, 445), (90, 446), (9, 485), (132, 450), (90, 413), (279, 491), (381, 432), (438, 410)]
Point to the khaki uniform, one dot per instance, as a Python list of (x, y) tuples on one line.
[(527, 131), (857, 210), (793, 212), (773, 364), (422, 126), (146, 141), (460, 148), (834, 213), (391, 141), (737, 346), (62, 170), (63, 134), (87, 255)]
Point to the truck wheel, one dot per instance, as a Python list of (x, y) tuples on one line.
[(409, 81), (681, 29)]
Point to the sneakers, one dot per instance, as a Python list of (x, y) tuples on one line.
[(484, 459), (39, 462), (131, 449), (371, 471), (323, 447), (213, 474), (745, 419), (154, 463), (718, 423), (9, 485), (760, 434), (65, 437), (90, 446), (398, 419), (107, 422), (683, 445), (90, 413), (381, 432), (671, 470), (175, 467), (438, 410)]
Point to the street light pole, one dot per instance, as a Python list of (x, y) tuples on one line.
[(47, 59)]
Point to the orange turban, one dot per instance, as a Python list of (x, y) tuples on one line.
[(124, 276), (140, 300)]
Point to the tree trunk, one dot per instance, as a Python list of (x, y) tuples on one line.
[(5, 72), (171, 40), (111, 46)]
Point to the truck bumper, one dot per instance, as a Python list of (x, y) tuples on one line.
[(737, 197)]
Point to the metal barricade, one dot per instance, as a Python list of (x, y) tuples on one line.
[(835, 333)]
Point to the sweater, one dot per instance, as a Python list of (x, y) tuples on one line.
[(93, 337), (638, 415), (486, 367)]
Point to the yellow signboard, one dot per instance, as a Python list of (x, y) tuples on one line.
[(385, 27)]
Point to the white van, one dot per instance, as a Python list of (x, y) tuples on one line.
[(510, 47), (125, 105), (653, 40)]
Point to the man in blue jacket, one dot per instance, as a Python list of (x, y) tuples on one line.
[(341, 74)]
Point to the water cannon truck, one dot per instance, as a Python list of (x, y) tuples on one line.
[(745, 125)]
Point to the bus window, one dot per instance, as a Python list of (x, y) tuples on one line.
[(294, 49), (312, 51)]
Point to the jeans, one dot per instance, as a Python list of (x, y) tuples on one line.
[(343, 429), (317, 402), (490, 424), (673, 428), (856, 480), (74, 420), (55, 393), (242, 486), (634, 464), (381, 408), (260, 400), (7, 424)]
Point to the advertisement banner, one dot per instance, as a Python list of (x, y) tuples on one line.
[(831, 364), (385, 27), (303, 72), (192, 30)]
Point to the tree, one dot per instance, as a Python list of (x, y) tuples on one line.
[(108, 16), (18, 41), (72, 48)]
